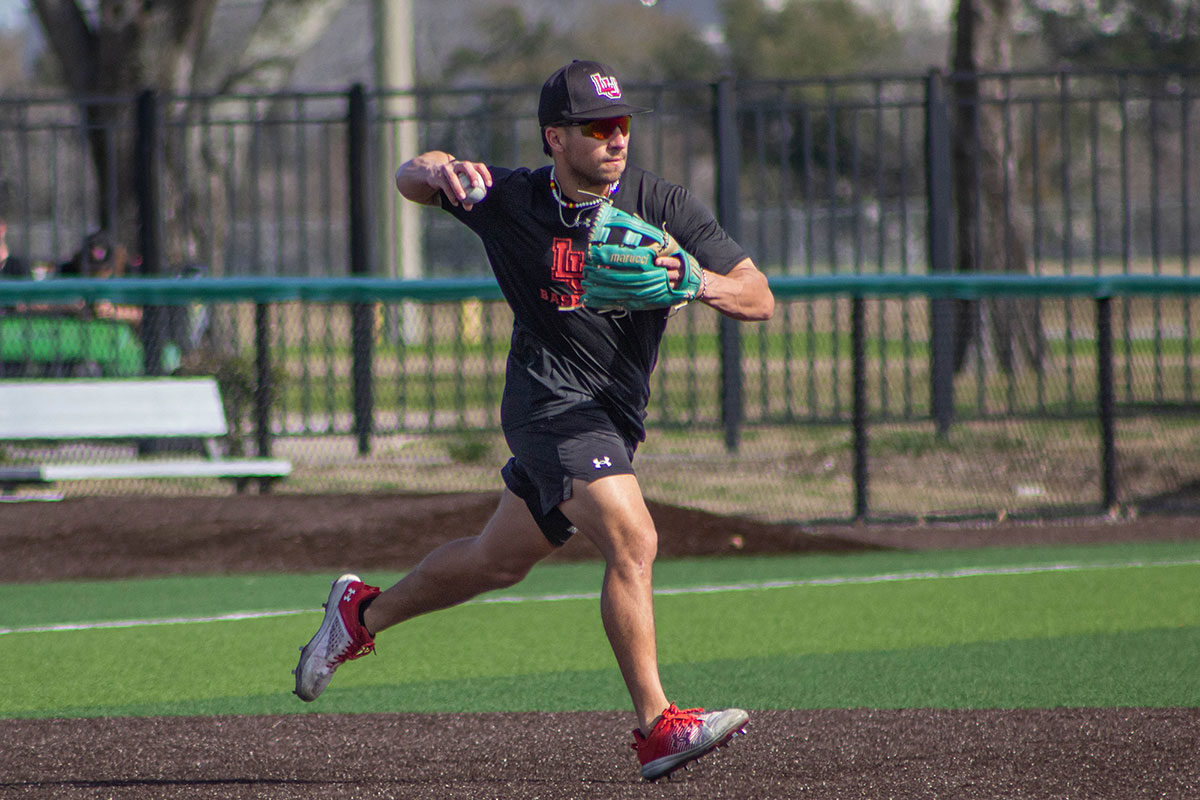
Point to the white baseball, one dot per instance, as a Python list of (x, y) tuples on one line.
[(475, 192)]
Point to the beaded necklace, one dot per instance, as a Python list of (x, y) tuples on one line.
[(578, 207)]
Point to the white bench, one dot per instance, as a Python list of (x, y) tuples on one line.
[(86, 410)]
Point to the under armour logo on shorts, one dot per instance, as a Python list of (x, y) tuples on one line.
[(601, 463)]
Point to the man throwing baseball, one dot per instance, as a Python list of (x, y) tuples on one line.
[(591, 254)]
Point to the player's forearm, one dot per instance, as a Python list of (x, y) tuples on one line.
[(742, 294), (418, 178)]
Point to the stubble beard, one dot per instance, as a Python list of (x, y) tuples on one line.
[(598, 176)]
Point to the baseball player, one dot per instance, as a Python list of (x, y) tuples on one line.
[(590, 302)]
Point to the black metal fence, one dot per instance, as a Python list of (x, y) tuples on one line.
[(1079, 173)]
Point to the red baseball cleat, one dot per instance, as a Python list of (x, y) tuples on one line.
[(340, 638), (683, 736)]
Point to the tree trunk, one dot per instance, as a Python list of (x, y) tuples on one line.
[(993, 228), (134, 45)]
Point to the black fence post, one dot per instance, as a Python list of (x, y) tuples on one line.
[(148, 187), (858, 354), (940, 207), (1106, 402), (263, 385), (362, 314), (729, 214)]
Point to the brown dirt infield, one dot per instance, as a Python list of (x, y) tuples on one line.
[(857, 753)]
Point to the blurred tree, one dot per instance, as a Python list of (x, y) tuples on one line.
[(647, 43), (512, 50), (119, 48), (12, 70), (1119, 33), (787, 39), (993, 230), (642, 43), (790, 39)]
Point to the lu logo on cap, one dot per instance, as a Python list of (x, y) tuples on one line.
[(606, 86)]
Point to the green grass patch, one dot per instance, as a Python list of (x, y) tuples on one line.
[(1099, 626)]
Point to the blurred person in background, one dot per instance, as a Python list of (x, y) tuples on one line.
[(99, 258), (12, 267)]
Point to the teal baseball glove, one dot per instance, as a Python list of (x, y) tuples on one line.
[(619, 273)]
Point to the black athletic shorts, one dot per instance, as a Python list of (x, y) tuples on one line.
[(549, 453)]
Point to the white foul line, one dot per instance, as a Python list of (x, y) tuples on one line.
[(755, 586)]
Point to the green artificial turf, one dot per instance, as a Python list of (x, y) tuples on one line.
[(1097, 626)]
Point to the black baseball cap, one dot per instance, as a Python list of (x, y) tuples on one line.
[(582, 91)]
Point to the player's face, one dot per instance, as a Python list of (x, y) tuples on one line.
[(596, 152)]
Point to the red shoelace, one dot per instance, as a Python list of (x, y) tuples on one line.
[(672, 719)]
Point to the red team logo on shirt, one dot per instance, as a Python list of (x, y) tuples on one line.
[(567, 269)]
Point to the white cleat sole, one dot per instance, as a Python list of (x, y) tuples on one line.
[(322, 635)]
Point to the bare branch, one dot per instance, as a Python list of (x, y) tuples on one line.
[(284, 30), (191, 21), (73, 42)]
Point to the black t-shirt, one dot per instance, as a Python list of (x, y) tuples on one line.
[(563, 355)]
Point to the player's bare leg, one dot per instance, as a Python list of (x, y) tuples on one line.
[(500, 556), (612, 514), (510, 544)]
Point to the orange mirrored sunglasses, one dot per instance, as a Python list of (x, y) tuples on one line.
[(602, 129)]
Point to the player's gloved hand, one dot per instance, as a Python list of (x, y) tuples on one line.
[(620, 272)]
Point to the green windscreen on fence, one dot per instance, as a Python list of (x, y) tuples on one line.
[(864, 396)]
